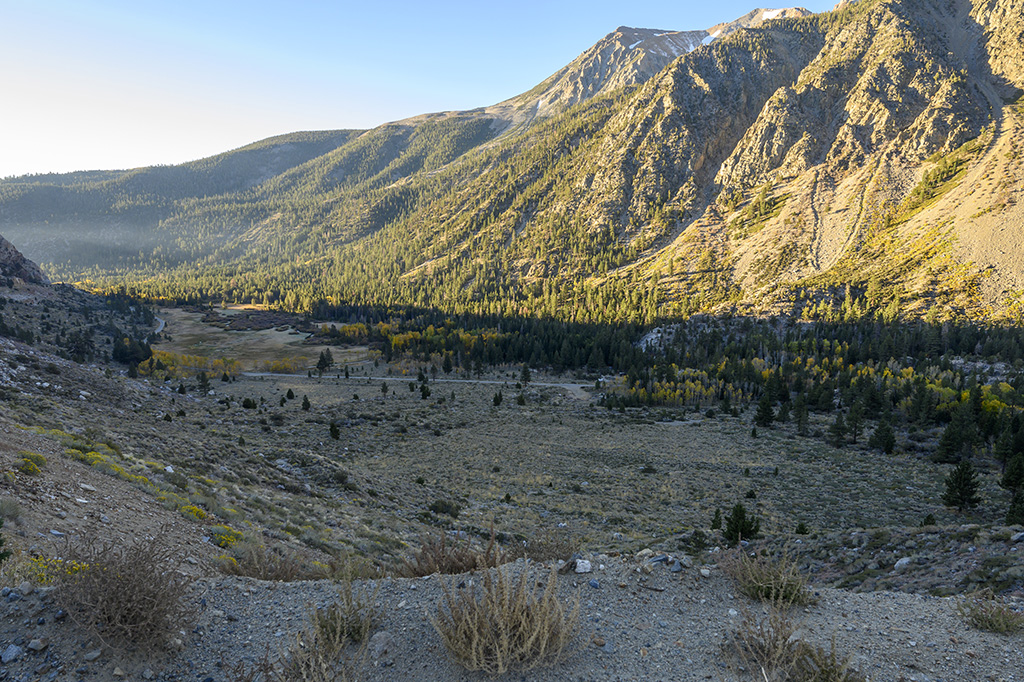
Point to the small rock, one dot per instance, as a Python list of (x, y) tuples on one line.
[(705, 572), (147, 674), (733, 613), (644, 553), (686, 561), (593, 583), (902, 564), (26, 588), (381, 644), (676, 567), (1017, 537), (38, 644), (86, 486), (12, 653), (598, 641), (583, 566), (118, 672), (93, 655)]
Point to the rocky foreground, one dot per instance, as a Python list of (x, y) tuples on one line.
[(641, 618)]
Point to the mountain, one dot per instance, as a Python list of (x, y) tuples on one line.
[(13, 264), (861, 161)]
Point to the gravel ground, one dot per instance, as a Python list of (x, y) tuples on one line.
[(633, 626)]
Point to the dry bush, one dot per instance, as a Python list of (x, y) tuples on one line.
[(506, 625), (350, 618), (815, 664), (124, 595), (768, 642), (768, 645), (321, 651), (777, 581), (254, 559), (439, 554), (984, 611), (551, 545)]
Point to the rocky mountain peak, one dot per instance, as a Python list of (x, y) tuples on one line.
[(13, 264)]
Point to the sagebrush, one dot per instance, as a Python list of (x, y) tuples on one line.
[(506, 623), (125, 594)]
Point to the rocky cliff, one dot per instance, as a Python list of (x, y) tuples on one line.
[(13, 264)]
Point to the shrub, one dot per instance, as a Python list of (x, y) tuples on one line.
[(224, 536), (191, 511), (445, 507), (777, 581), (551, 545), (35, 458), (349, 619), (123, 594), (506, 625), (984, 611), (769, 643), (10, 509), (740, 527), (27, 467), (440, 555), (253, 559)]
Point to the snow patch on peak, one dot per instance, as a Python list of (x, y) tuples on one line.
[(636, 43), (771, 14)]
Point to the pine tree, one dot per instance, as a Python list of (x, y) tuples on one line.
[(1015, 514), (765, 415), (855, 420), (1013, 477), (802, 416), (837, 432), (524, 376), (305, 403), (335, 431), (497, 398), (716, 521), (446, 365), (883, 438), (959, 437), (962, 487), (739, 527)]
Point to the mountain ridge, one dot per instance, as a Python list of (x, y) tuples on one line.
[(777, 169)]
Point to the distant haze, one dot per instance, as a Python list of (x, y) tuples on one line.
[(117, 84)]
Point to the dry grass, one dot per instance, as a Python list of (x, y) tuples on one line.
[(440, 554), (124, 595), (508, 624), (776, 581), (983, 610)]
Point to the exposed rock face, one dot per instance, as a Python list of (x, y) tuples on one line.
[(13, 264), (626, 56)]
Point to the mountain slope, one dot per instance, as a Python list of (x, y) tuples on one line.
[(809, 164)]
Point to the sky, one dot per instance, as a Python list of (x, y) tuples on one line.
[(112, 84)]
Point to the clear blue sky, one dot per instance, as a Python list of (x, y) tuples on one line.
[(93, 84)]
